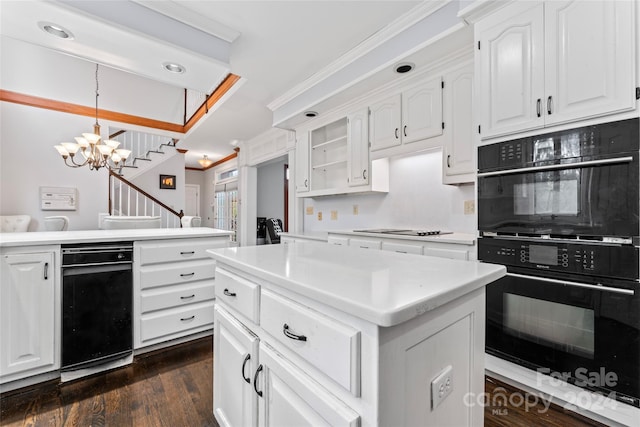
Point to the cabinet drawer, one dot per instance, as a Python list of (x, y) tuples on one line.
[(447, 253), (365, 243), (402, 248), (337, 240), (174, 273), (238, 293), (330, 346), (176, 320), (179, 250), (176, 296)]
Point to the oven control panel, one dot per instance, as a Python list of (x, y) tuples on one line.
[(619, 261)]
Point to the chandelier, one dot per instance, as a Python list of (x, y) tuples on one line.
[(93, 153), (205, 162)]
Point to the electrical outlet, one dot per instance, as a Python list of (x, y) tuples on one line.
[(319, 216), (469, 207), (334, 215), (441, 386), (309, 210), (355, 209)]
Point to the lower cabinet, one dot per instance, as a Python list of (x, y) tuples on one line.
[(256, 385), (174, 289), (29, 315)]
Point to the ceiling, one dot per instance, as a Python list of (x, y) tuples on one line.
[(274, 46)]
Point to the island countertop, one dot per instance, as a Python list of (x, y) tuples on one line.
[(381, 287), (86, 236)]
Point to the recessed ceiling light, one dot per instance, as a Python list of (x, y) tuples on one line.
[(56, 30), (172, 67), (310, 114), (404, 67)]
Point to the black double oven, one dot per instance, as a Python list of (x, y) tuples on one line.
[(561, 211)]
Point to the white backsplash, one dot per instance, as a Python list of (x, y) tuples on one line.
[(417, 199)]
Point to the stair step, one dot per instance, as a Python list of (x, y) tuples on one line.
[(155, 151), (142, 158), (130, 166)]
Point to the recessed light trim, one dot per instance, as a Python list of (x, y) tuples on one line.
[(173, 67), (310, 114), (404, 67), (56, 30)]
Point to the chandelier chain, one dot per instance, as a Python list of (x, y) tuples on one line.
[(97, 94)]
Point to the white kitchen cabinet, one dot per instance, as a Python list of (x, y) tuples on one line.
[(173, 289), (339, 159), (292, 398), (302, 163), (358, 148), (459, 140), (29, 316), (411, 116), (542, 64), (236, 348), (443, 246), (256, 385)]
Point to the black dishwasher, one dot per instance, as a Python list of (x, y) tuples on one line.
[(97, 300)]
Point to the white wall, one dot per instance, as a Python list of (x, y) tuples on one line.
[(29, 161), (417, 199), (270, 203), (149, 181)]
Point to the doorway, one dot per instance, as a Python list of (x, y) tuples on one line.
[(272, 191), (192, 199)]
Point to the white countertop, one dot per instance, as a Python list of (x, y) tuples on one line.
[(85, 236), (382, 287), (457, 238)]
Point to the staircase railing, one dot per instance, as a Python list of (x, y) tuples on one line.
[(125, 198), (141, 145)]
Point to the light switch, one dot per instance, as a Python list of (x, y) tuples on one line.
[(355, 209), (309, 210), (319, 216), (334, 215), (469, 207)]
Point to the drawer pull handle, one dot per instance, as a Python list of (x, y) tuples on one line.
[(188, 297), (255, 381), (184, 319), (229, 294), (246, 359), (288, 334), (187, 252), (187, 274)]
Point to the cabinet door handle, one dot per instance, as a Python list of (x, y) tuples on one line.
[(306, 183), (188, 297), (404, 130), (46, 271), (186, 274), (184, 319), (229, 294), (255, 381), (289, 334), (538, 107), (246, 359), (397, 136), (549, 104), (448, 160), (187, 253), (364, 174)]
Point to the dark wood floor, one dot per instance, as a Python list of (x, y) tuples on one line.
[(174, 389)]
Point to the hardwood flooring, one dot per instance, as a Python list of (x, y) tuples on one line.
[(173, 388)]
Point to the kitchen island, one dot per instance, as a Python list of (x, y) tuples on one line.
[(314, 333)]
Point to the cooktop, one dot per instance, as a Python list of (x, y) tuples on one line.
[(403, 232)]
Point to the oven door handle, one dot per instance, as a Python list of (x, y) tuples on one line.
[(576, 284), (587, 163)]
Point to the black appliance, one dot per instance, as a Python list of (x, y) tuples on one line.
[(97, 302), (560, 210), (578, 183)]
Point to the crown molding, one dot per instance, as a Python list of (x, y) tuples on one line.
[(407, 20)]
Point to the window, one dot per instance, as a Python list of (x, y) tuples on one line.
[(226, 201)]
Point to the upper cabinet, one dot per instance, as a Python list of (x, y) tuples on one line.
[(542, 64), (458, 152), (413, 115), (337, 155)]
